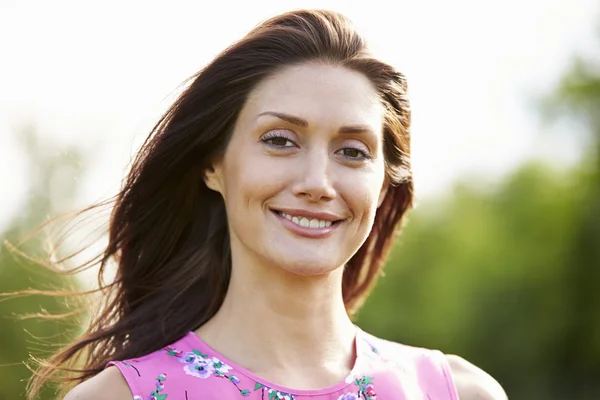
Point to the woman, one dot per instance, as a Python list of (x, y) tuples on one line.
[(253, 223)]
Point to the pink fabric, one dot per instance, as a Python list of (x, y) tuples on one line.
[(190, 370)]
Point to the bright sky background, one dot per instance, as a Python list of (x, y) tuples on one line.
[(97, 75)]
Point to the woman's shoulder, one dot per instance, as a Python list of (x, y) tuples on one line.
[(140, 377), (473, 383), (464, 380), (108, 384), (403, 354)]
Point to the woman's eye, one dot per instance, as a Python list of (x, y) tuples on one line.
[(279, 141), (353, 153)]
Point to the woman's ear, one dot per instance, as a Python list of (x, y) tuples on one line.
[(213, 178)]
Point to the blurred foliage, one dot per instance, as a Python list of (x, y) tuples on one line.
[(51, 188), (508, 278)]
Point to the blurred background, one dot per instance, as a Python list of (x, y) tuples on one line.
[(500, 260)]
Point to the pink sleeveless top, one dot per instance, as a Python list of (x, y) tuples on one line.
[(190, 370)]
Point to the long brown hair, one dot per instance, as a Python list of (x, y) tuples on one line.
[(168, 232)]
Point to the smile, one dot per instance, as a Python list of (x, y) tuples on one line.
[(306, 222), (315, 225)]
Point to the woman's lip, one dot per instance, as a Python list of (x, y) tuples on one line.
[(313, 233), (296, 212)]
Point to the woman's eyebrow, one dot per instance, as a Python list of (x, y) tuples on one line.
[(356, 129), (286, 117), (350, 129)]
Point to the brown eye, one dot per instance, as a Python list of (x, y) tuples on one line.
[(354, 154), (280, 141)]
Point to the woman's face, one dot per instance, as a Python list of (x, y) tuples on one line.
[(303, 174)]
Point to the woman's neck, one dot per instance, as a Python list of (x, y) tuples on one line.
[(282, 325)]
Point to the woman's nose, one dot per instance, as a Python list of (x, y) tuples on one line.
[(314, 181)]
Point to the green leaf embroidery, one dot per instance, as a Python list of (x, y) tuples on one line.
[(196, 352), (218, 366)]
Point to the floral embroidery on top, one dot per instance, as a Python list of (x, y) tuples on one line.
[(137, 371), (366, 390), (202, 366), (393, 363), (156, 395), (373, 348), (272, 393)]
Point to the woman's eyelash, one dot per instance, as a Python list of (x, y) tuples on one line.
[(364, 155), (271, 138)]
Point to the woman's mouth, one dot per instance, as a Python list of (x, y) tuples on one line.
[(306, 222), (314, 225)]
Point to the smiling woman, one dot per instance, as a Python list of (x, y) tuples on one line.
[(288, 169), (252, 226)]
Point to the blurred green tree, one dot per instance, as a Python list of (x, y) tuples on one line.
[(579, 362), (51, 188), (509, 278)]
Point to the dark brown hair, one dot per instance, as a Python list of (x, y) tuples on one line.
[(168, 232)]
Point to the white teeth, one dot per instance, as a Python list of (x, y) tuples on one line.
[(307, 223)]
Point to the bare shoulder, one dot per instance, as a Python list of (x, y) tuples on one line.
[(472, 383), (108, 384)]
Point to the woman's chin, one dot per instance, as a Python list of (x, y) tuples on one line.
[(309, 267)]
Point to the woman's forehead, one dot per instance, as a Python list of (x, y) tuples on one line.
[(319, 94)]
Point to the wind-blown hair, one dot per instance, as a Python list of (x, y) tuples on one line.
[(168, 232)]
